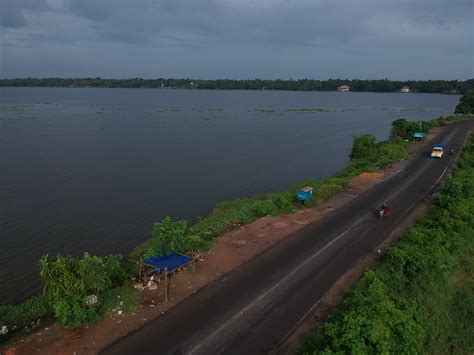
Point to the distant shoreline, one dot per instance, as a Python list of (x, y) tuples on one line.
[(453, 87)]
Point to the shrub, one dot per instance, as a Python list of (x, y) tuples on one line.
[(124, 298), (70, 280), (25, 314), (263, 208), (466, 103), (403, 128), (194, 243), (167, 237), (364, 147), (170, 236), (392, 150), (73, 311)]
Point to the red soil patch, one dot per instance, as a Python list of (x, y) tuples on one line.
[(365, 180)]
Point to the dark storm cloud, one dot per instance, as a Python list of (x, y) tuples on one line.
[(11, 11), (239, 38)]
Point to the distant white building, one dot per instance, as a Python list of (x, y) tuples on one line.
[(344, 88), (405, 89)]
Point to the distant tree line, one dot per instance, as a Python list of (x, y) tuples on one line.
[(383, 85)]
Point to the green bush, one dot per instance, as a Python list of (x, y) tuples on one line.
[(466, 103), (24, 314), (170, 236), (364, 147), (392, 150), (370, 155), (405, 129), (167, 237), (73, 311), (194, 243), (69, 281), (124, 298)]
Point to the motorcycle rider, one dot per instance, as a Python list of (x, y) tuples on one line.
[(385, 208)]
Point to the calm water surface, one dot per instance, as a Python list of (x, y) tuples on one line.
[(91, 169)]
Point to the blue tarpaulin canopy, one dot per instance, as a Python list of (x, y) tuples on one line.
[(439, 146), (170, 262)]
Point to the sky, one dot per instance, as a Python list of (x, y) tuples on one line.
[(241, 39)]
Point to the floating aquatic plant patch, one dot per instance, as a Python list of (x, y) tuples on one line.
[(307, 110), (263, 110)]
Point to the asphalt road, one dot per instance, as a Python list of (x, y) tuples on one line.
[(252, 309)]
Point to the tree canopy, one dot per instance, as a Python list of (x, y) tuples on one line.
[(466, 103)]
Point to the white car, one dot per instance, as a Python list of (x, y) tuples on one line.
[(438, 151)]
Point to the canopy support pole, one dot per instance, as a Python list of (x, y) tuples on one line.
[(166, 285)]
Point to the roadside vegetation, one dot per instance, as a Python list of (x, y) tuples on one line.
[(466, 103), (78, 291), (420, 297), (81, 291)]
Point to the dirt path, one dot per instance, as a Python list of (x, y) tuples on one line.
[(232, 249)]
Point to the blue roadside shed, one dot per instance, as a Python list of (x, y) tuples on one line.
[(167, 264)]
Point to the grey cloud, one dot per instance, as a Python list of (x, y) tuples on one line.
[(235, 37), (12, 11), (12, 18)]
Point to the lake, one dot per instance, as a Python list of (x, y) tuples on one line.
[(91, 169)]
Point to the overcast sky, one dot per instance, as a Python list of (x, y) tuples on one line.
[(209, 39)]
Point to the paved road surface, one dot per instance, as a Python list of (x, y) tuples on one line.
[(253, 308)]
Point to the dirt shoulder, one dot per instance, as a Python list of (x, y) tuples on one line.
[(232, 249)]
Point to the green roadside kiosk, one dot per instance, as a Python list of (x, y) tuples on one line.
[(419, 136)]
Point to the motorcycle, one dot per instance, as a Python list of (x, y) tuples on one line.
[(384, 212)]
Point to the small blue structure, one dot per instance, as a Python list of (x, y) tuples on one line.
[(439, 146), (305, 194), (419, 136), (167, 263)]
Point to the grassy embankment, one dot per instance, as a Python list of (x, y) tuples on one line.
[(420, 297), (70, 280)]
